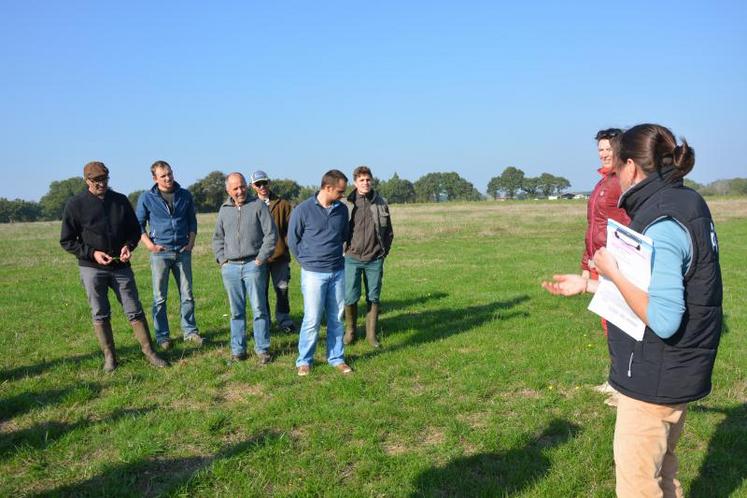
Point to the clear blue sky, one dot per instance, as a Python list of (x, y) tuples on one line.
[(298, 87)]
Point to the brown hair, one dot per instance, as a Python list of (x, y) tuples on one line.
[(333, 177), (608, 134), (159, 164), (361, 170), (653, 147)]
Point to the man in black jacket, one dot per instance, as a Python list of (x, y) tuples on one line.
[(100, 228)]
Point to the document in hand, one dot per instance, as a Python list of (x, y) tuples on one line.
[(632, 251)]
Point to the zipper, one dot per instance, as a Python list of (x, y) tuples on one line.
[(630, 364)]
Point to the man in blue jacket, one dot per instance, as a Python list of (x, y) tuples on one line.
[(318, 228), (170, 211)]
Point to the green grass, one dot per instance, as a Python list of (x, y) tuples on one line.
[(482, 386)]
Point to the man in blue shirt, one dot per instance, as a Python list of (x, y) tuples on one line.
[(170, 211), (318, 228)]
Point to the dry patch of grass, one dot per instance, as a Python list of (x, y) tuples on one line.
[(238, 392)]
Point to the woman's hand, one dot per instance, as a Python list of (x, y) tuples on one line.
[(566, 285), (605, 263)]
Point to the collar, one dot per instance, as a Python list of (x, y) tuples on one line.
[(636, 196)]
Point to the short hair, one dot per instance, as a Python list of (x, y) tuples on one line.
[(333, 177), (608, 134), (361, 170), (159, 164), (235, 173)]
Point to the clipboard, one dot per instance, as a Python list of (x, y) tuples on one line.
[(633, 252)]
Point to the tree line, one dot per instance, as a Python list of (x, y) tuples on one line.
[(209, 192)]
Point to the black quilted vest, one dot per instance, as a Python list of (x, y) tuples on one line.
[(677, 369)]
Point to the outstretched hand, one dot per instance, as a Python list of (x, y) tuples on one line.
[(565, 285)]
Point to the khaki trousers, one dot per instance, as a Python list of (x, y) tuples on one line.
[(645, 437)]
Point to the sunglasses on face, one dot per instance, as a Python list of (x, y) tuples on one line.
[(261, 184), (99, 179)]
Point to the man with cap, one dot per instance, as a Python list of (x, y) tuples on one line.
[(170, 211), (99, 227), (243, 241), (279, 263), (369, 241)]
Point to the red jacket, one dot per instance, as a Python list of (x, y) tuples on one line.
[(602, 206)]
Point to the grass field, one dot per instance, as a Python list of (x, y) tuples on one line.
[(482, 387)]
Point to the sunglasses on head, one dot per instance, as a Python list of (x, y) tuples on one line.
[(607, 134)]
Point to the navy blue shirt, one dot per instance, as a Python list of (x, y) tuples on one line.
[(316, 235)]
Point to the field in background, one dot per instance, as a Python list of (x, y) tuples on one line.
[(482, 387)]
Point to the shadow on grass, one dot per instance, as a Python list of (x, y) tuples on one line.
[(398, 304), (496, 474), (30, 400), (432, 325), (157, 476), (724, 468), (40, 436)]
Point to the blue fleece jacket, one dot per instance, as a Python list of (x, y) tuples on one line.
[(316, 235), (167, 229)]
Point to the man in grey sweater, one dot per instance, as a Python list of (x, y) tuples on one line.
[(244, 239)]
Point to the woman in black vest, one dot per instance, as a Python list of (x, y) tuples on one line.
[(672, 364)]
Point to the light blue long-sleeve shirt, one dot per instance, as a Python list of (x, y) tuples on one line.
[(669, 263)]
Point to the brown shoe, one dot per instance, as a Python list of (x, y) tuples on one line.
[(142, 334), (372, 321), (304, 370), (264, 358), (105, 337), (343, 368)]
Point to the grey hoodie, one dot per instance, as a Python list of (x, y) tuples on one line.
[(244, 232)]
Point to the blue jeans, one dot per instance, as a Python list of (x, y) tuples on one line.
[(240, 280), (322, 292), (180, 264)]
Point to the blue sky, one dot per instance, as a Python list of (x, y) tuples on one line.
[(296, 88)]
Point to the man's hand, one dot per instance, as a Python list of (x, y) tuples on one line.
[(258, 262), (102, 258), (125, 254), (566, 285), (156, 248)]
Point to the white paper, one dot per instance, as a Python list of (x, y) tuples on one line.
[(632, 251)]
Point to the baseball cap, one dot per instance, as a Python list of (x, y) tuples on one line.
[(259, 176)]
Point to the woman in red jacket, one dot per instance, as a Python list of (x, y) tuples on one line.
[(602, 206)]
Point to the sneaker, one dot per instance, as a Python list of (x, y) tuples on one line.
[(238, 357), (304, 370), (165, 344), (194, 338), (264, 358), (612, 399), (343, 368), (605, 388)]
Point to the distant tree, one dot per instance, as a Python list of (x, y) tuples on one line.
[(561, 184), (134, 196), (209, 192), (397, 190), (15, 210), (546, 184), (530, 186), (305, 193), (435, 187), (739, 186), (53, 202), (287, 189), (509, 182), (693, 185)]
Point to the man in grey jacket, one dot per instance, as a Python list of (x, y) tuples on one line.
[(369, 241), (244, 239)]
